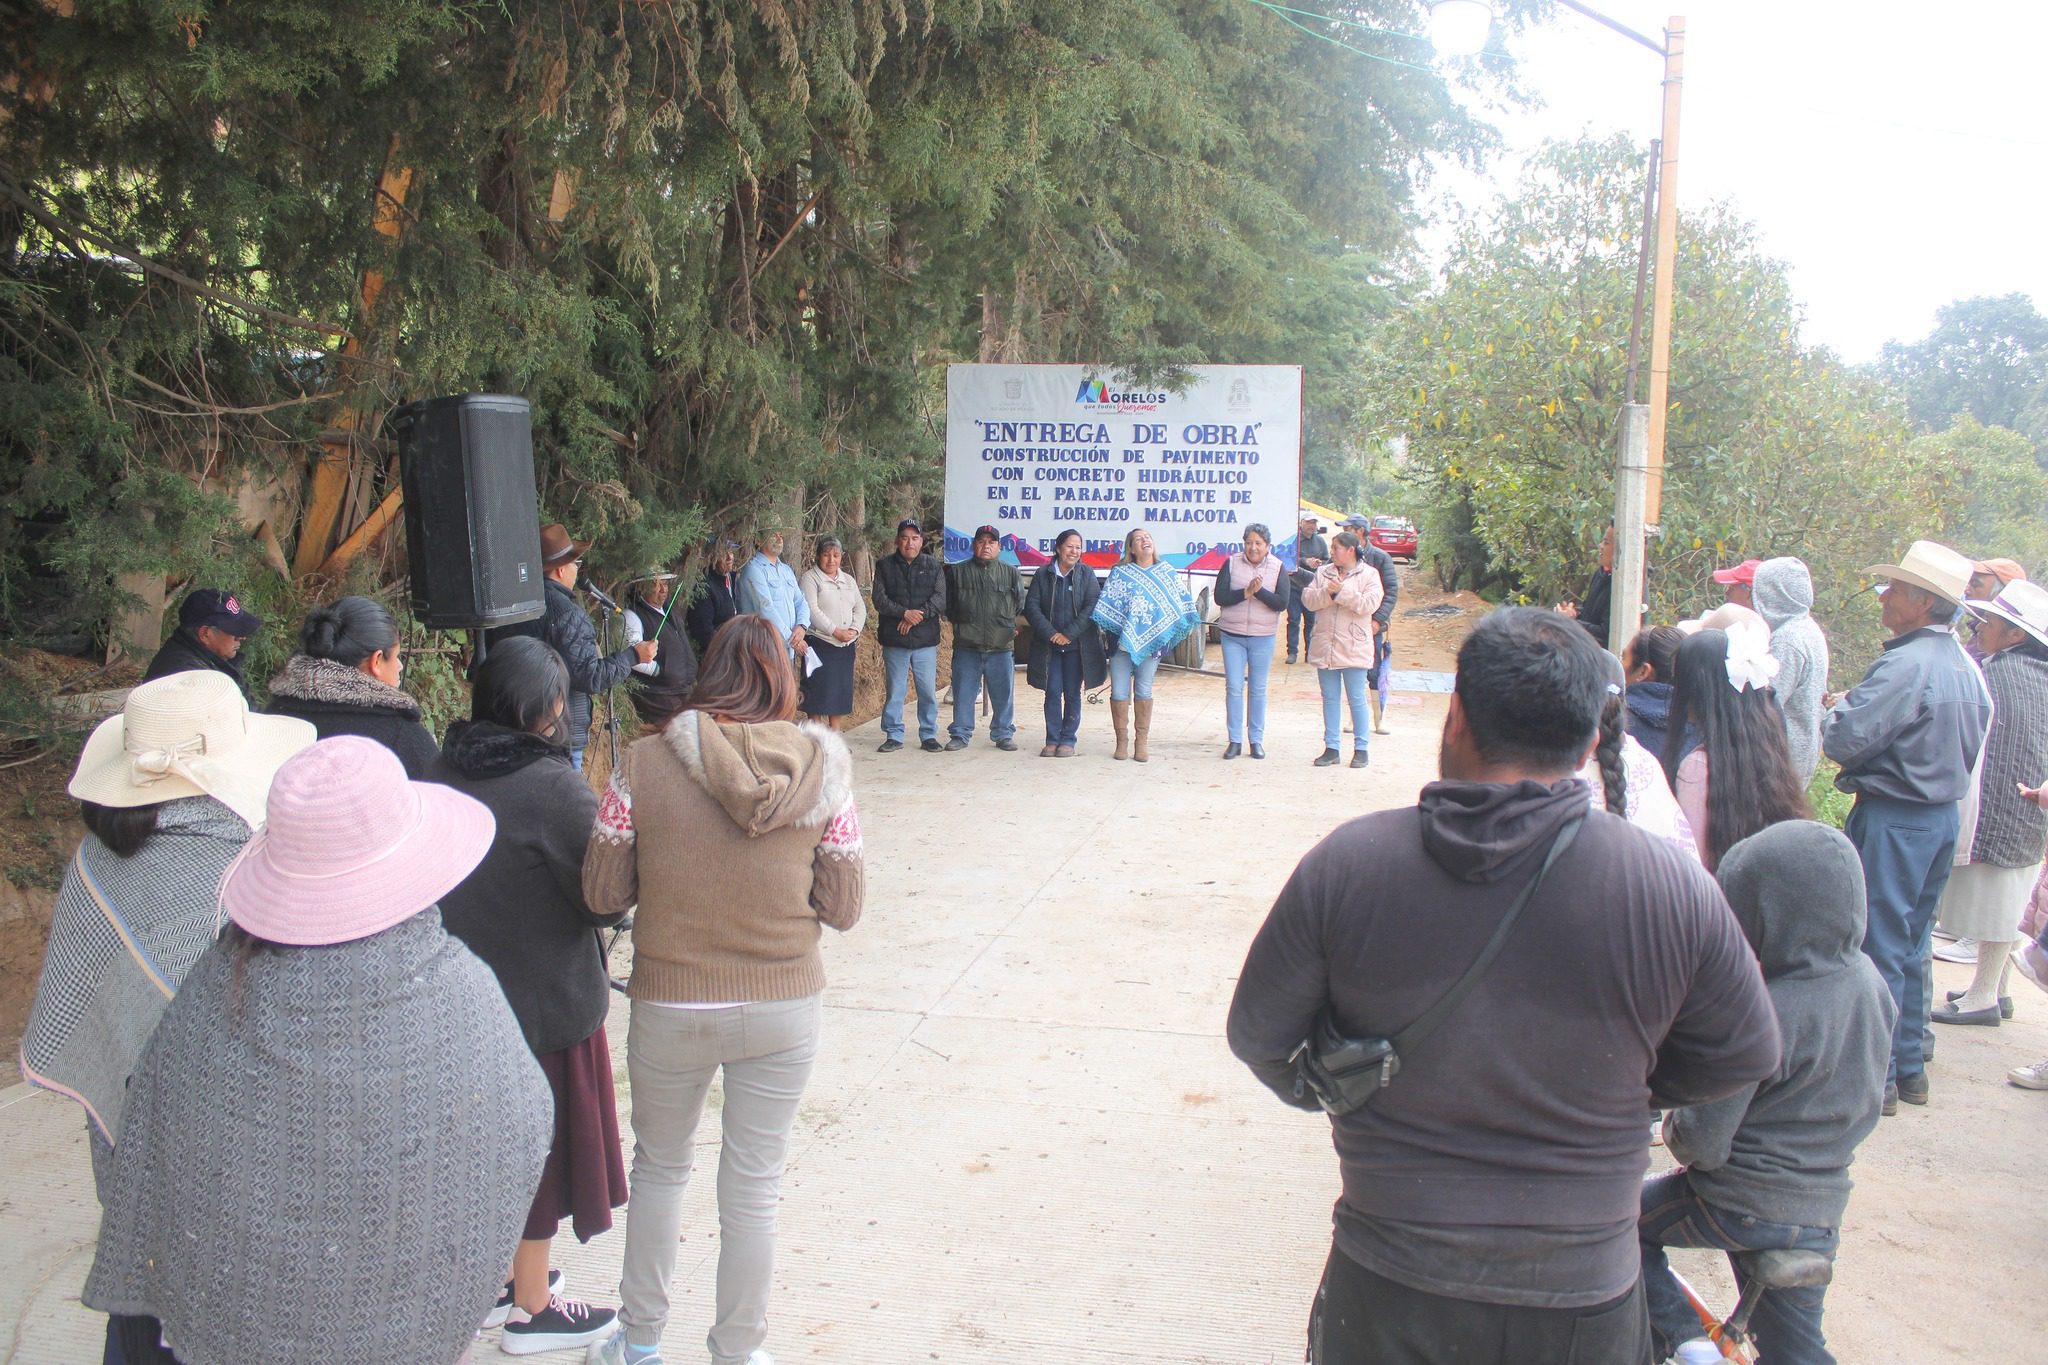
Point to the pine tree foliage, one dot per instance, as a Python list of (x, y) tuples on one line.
[(725, 247)]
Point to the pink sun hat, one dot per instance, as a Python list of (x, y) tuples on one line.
[(351, 847)]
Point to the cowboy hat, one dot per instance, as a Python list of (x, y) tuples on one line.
[(1931, 566), (187, 734), (2019, 603), (556, 544), (351, 847)]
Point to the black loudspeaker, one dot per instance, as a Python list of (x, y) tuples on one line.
[(472, 519)]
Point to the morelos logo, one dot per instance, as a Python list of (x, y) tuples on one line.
[(1096, 391)]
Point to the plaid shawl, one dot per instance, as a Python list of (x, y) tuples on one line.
[(1148, 610), (124, 933)]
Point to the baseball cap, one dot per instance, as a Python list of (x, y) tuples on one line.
[(1745, 572), (991, 532), (909, 524), (2004, 570), (218, 608)]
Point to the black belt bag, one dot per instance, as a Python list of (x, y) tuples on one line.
[(1345, 1073)]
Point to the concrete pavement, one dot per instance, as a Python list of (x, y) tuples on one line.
[(1025, 1140)]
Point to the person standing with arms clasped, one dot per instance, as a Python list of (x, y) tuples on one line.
[(1311, 552), (1144, 611), (1987, 894), (838, 615), (716, 601), (1252, 591), (1343, 594), (734, 831), (983, 597), (910, 599), (1909, 738), (1066, 648), (1379, 685), (345, 681), (522, 911), (568, 630), (768, 588)]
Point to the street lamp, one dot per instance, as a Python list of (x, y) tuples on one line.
[(1459, 28)]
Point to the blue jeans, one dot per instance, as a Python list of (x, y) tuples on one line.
[(1339, 684), (974, 669), (1786, 1322), (1905, 847), (900, 665), (1301, 623), (1062, 695), (1242, 653), (1123, 673)]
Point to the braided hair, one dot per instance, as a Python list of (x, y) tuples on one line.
[(1607, 753)]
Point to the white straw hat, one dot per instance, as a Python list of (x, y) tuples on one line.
[(188, 734), (2021, 603), (1935, 567)]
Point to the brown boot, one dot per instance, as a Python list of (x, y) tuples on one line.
[(1120, 719), (1141, 714)]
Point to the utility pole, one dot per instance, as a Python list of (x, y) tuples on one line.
[(1667, 259)]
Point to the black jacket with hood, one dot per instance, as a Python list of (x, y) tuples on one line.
[(1515, 1130), (183, 653), (1779, 1149)]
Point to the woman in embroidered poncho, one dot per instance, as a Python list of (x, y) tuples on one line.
[(1144, 611)]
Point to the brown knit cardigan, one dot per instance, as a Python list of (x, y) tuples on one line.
[(736, 842)]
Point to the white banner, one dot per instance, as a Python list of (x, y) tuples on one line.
[(1035, 449)]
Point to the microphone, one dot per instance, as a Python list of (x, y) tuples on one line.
[(597, 595)]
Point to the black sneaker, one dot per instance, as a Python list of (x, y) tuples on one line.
[(932, 746), (502, 1309), (1913, 1089), (889, 746), (953, 745), (1358, 758), (1008, 746), (562, 1324), (1328, 759)]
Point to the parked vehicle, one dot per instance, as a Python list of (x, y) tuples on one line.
[(1396, 536)]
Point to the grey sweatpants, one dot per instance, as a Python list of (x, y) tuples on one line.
[(766, 1050)]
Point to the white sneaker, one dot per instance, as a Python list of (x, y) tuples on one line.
[(612, 1351), (2033, 1077), (1962, 950)]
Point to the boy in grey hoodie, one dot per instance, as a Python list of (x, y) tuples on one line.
[(1768, 1167), (1783, 594)]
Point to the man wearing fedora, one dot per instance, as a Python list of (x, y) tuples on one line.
[(568, 629), (1910, 740), (211, 627)]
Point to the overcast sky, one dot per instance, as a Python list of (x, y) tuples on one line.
[(1889, 153)]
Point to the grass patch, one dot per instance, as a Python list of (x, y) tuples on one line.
[(1829, 802)]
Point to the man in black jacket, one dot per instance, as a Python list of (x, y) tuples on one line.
[(910, 600), (661, 683), (567, 628), (211, 628), (1491, 1188), (715, 603), (1311, 552)]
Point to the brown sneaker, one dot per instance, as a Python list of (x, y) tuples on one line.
[(1066, 751), (1049, 751)]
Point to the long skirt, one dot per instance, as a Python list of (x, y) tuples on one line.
[(1986, 902), (829, 691), (585, 1175)]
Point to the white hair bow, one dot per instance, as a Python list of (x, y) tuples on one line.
[(1750, 663)]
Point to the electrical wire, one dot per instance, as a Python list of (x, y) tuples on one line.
[(1286, 17)]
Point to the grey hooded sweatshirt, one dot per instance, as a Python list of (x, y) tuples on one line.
[(1779, 1150), (1783, 593)]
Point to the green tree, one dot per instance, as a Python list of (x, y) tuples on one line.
[(1987, 359), (1508, 380)]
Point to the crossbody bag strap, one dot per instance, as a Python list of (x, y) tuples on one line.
[(1406, 1040)]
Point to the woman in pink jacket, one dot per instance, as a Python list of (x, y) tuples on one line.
[(1251, 589), (1343, 595)]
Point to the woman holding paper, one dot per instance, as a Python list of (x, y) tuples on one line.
[(838, 615)]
